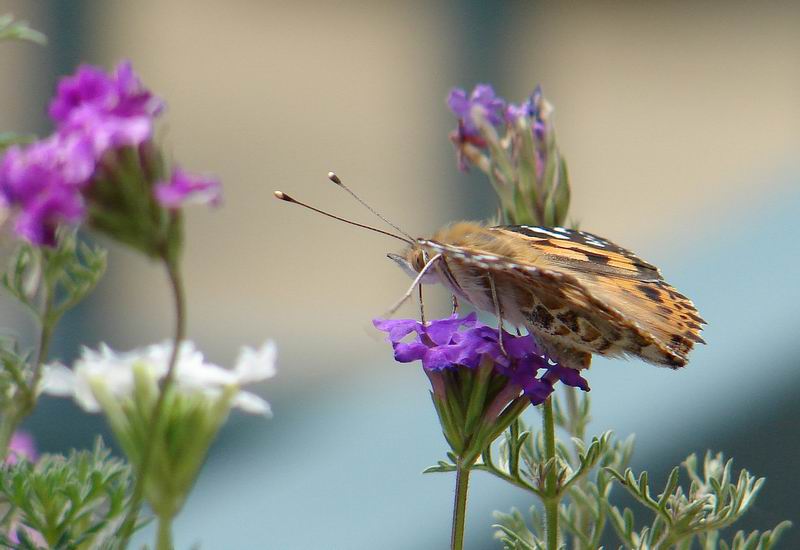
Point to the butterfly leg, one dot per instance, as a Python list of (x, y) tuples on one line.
[(455, 304), (421, 306), (498, 310), (417, 281)]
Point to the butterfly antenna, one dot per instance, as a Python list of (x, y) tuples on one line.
[(335, 179), (284, 197)]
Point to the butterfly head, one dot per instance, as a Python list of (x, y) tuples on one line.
[(413, 261)]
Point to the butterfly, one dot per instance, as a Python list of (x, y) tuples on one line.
[(577, 293)]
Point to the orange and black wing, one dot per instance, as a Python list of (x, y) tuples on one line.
[(619, 279)]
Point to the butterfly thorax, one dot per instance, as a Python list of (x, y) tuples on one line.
[(466, 243)]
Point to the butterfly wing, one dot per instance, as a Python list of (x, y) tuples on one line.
[(620, 279), (579, 293)]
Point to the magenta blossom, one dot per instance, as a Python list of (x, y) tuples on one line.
[(119, 94), (183, 188), (43, 182), (112, 110), (465, 342), (21, 447), (98, 160)]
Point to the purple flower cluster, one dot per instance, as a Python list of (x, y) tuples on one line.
[(94, 112), (483, 104), (465, 342)]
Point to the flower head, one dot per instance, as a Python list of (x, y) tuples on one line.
[(112, 110), (514, 144), (127, 388), (480, 386), (104, 371), (119, 94), (43, 182), (100, 160), (457, 342), (183, 188)]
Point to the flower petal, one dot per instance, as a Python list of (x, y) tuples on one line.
[(256, 365)]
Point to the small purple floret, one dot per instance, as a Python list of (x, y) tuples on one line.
[(464, 342), (21, 447), (119, 94), (483, 100), (183, 188), (533, 109)]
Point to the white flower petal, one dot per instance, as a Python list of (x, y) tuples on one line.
[(115, 372), (251, 403), (58, 379), (255, 365)]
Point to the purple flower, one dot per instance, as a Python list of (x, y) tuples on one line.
[(464, 342), (43, 182), (119, 94), (21, 447), (184, 188), (482, 100), (38, 221), (111, 110), (536, 108)]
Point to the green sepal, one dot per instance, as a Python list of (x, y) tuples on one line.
[(478, 391)]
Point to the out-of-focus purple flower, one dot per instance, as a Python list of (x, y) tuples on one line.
[(21, 447), (38, 221), (464, 342), (183, 188), (120, 94), (483, 102), (536, 108), (105, 131), (55, 161), (43, 182), (111, 110)]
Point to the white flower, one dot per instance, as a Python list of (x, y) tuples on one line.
[(193, 375)]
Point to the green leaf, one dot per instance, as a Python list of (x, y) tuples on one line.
[(69, 500), (19, 30)]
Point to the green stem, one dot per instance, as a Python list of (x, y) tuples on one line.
[(164, 535), (460, 506), (126, 530), (26, 401), (577, 429), (576, 425), (551, 479), (7, 428)]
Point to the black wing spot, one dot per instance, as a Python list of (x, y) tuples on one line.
[(651, 292), (541, 317), (570, 319)]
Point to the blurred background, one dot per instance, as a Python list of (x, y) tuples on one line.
[(681, 126)]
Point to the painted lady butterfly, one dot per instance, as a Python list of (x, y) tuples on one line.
[(576, 292)]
